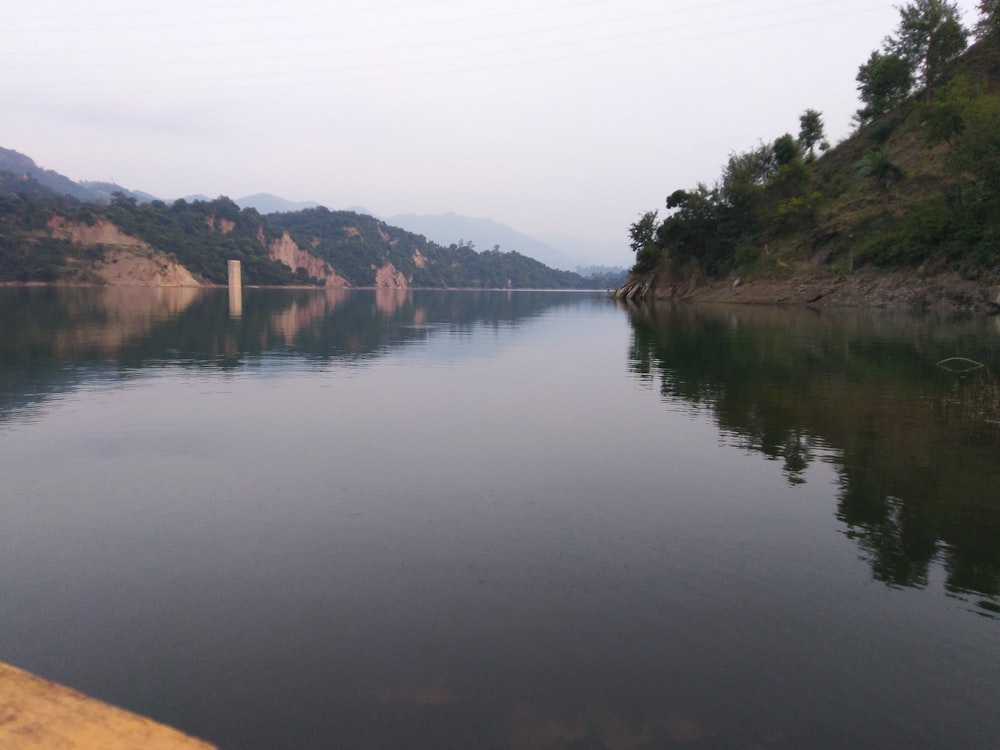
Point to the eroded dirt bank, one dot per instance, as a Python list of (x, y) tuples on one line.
[(861, 289)]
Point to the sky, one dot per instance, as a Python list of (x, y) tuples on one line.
[(555, 117)]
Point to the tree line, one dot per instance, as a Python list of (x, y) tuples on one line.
[(917, 181), (203, 235)]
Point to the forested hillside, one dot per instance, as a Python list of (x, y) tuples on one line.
[(37, 241), (49, 235), (358, 245), (915, 186)]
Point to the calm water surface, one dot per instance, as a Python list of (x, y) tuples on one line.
[(502, 520)]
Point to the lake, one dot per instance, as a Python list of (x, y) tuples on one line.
[(384, 519)]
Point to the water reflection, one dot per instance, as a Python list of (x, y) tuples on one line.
[(235, 302), (138, 325), (352, 519), (918, 470), (54, 339)]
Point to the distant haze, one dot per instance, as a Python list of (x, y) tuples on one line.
[(561, 117), (266, 203), (484, 234), (443, 229)]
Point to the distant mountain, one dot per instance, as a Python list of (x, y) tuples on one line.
[(45, 237), (562, 252), (610, 277), (12, 183), (22, 166), (451, 228), (104, 191), (266, 203), (591, 252), (24, 169), (280, 241)]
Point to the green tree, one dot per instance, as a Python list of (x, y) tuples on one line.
[(786, 150), (967, 117), (642, 234), (643, 231), (693, 230), (883, 81), (811, 131), (988, 25), (677, 199), (929, 36), (944, 116), (976, 153), (883, 173), (743, 177)]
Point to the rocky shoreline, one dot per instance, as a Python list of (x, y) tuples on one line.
[(946, 292)]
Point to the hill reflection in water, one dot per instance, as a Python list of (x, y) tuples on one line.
[(55, 338), (491, 520), (918, 464)]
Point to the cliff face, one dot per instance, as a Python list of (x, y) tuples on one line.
[(128, 268), (130, 261), (387, 277), (136, 243), (286, 250), (126, 261), (101, 232)]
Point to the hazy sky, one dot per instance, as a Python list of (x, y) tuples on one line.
[(552, 116)]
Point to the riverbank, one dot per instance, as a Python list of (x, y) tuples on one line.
[(38, 713), (913, 290)]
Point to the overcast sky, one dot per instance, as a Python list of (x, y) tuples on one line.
[(551, 116)]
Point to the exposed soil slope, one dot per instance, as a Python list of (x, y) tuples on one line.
[(825, 288)]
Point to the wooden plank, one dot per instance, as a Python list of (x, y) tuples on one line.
[(36, 713)]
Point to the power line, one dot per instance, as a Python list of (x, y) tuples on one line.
[(434, 43), (324, 13), (521, 33), (382, 28), (203, 7), (298, 78)]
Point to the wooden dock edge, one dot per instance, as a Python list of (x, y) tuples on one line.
[(36, 713)]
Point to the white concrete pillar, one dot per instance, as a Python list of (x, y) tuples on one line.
[(235, 289)]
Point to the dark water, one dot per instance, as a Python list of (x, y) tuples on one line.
[(491, 520)]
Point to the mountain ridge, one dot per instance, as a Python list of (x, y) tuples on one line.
[(50, 235), (443, 229), (913, 192), (268, 203)]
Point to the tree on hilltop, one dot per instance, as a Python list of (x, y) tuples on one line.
[(786, 149), (930, 35), (883, 81), (642, 234), (811, 131), (988, 25)]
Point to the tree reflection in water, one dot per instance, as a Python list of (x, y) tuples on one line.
[(917, 472)]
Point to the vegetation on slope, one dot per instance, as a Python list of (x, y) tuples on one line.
[(203, 235), (27, 252), (917, 185), (357, 245), (902, 492)]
